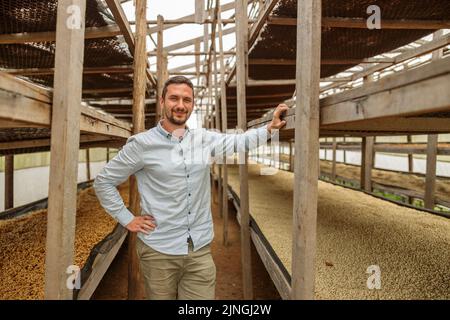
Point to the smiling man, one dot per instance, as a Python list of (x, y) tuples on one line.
[(172, 165)]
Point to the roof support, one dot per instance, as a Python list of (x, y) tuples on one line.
[(306, 162), (241, 77), (65, 133), (135, 287)]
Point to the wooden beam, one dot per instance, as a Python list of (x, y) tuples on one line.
[(333, 166), (241, 53), (65, 128), (121, 20), (50, 71), (100, 266), (50, 36), (189, 53), (199, 10), (30, 111), (225, 7), (290, 62), (9, 182), (191, 42), (367, 154), (223, 110), (415, 125), (159, 68), (361, 23), (430, 177), (307, 149), (135, 288), (413, 92), (88, 165)]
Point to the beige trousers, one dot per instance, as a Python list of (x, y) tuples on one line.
[(182, 277)]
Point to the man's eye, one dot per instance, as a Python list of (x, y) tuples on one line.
[(187, 100)]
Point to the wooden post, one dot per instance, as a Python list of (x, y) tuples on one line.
[(333, 166), (9, 181), (135, 289), (159, 66), (223, 109), (345, 155), (107, 155), (65, 141), (197, 61), (241, 54), (306, 148), (199, 10), (410, 157), (217, 119), (291, 167), (367, 156), (88, 165), (430, 176)]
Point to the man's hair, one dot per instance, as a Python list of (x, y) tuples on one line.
[(177, 80)]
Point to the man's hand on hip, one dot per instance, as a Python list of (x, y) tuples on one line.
[(143, 224), (276, 122)]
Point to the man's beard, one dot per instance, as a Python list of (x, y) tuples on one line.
[(171, 118)]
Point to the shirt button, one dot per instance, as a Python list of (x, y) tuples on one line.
[(189, 194), (189, 229), (188, 176), (189, 212)]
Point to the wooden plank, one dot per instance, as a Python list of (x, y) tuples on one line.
[(367, 163), (274, 271), (333, 166), (65, 128), (291, 62), (225, 7), (159, 68), (396, 125), (428, 71), (223, 110), (410, 157), (199, 11), (425, 96), (88, 165), (135, 288), (50, 36), (24, 88), (430, 177), (9, 182), (191, 42), (241, 53), (50, 71), (361, 23), (121, 20), (100, 266), (307, 149)]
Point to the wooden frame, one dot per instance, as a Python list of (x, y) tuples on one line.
[(65, 128)]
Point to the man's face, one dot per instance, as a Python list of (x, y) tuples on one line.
[(178, 103)]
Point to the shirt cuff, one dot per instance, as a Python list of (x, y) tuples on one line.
[(124, 217)]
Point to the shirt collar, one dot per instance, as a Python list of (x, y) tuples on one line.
[(168, 135)]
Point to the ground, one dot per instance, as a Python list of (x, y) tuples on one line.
[(228, 262)]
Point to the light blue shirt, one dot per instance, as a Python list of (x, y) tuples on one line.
[(173, 181)]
